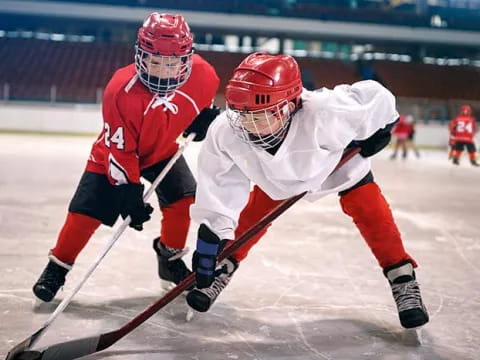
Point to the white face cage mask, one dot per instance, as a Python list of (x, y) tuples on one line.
[(265, 128), (162, 74)]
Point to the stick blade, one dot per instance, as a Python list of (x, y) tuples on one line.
[(27, 355), (12, 354), (70, 350), (23, 346)]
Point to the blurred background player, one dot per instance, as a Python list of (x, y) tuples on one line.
[(451, 142), (404, 132), (463, 128), (286, 141), (168, 91), (411, 136)]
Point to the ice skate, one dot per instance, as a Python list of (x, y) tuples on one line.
[(202, 299), (171, 268), (406, 292), (51, 279)]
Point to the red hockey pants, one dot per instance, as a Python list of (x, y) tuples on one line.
[(365, 205)]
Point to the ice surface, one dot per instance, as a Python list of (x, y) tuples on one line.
[(309, 290)]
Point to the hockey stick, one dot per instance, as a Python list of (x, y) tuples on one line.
[(81, 347), (30, 341)]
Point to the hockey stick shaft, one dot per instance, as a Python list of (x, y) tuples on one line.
[(117, 233), (76, 348), (32, 340), (235, 245)]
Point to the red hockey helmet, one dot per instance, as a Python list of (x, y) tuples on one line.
[(466, 110), (262, 80), (258, 97), (164, 50), (165, 34)]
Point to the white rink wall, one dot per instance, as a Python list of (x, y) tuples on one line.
[(87, 119), (38, 117)]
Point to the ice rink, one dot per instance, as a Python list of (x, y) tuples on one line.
[(309, 290)]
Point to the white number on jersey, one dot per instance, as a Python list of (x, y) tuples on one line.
[(462, 127), (116, 138)]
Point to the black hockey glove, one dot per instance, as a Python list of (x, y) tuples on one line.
[(204, 260), (376, 142), (200, 125), (132, 204)]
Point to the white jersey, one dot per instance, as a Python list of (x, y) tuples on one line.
[(319, 132)]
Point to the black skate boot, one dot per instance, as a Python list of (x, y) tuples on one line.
[(455, 161), (202, 299), (473, 162), (406, 292), (170, 265), (51, 280)]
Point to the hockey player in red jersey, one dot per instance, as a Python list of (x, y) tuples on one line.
[(411, 135), (287, 140), (168, 91), (403, 133), (462, 132)]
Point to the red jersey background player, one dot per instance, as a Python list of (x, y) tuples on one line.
[(404, 132), (168, 91), (462, 132)]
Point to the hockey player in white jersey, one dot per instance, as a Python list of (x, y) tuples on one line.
[(287, 140)]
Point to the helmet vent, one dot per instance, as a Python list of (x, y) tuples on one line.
[(262, 99)]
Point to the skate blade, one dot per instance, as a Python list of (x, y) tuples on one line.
[(414, 336), (37, 303), (190, 314), (166, 285), (42, 307)]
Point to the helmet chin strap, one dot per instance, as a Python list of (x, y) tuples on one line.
[(286, 110)]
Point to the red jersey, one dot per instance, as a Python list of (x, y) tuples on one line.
[(463, 128), (140, 127), (403, 129)]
